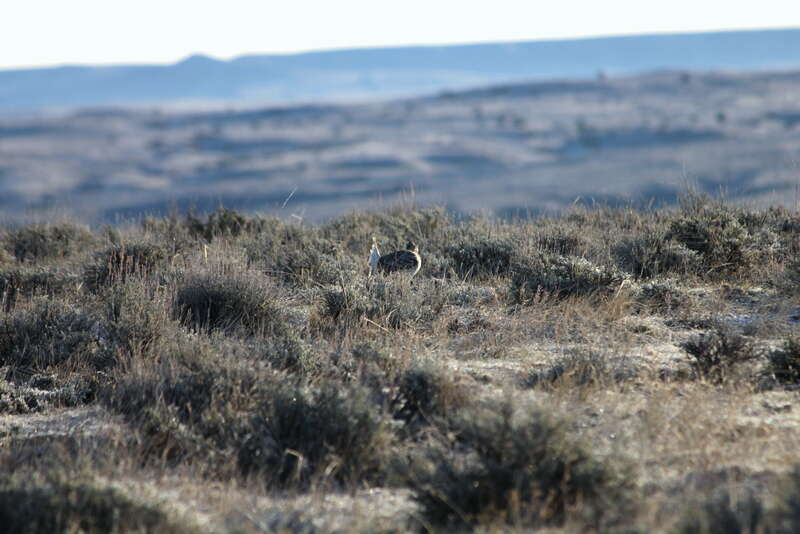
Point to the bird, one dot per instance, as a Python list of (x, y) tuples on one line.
[(374, 257), (401, 260)]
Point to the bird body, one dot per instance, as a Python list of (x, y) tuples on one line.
[(374, 257), (407, 260)]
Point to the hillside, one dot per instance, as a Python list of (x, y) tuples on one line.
[(606, 370), (510, 149), (385, 72)]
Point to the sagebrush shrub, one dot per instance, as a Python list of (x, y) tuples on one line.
[(229, 417), (117, 264), (57, 505), (724, 514), (747, 511), (50, 334), (562, 277), (40, 242), (585, 368), (386, 301), (137, 318), (300, 257), (520, 468), (220, 223), (287, 351), (426, 391), (5, 256), (717, 353), (481, 258), (298, 435), (652, 254), (792, 276), (25, 282), (562, 240), (242, 301), (715, 233), (395, 227), (784, 363), (664, 296)]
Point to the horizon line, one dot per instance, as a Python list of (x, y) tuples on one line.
[(301, 52)]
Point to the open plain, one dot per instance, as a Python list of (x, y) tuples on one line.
[(602, 370), (519, 149)]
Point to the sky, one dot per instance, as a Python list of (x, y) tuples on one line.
[(56, 32)]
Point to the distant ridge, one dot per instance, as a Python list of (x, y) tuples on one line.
[(387, 72)]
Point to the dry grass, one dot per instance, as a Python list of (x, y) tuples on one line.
[(245, 374)]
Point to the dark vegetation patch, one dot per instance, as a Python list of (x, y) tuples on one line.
[(279, 520), (792, 276), (24, 282), (136, 320), (724, 245), (50, 334), (48, 505), (585, 368), (664, 296), (300, 257), (562, 240), (719, 353), (46, 242), (562, 276), (386, 302), (654, 254), (725, 514), (229, 418), (517, 467), (299, 435), (784, 362), (427, 227), (39, 392), (728, 240), (117, 264), (745, 510), (52, 347), (481, 258), (287, 351), (427, 392), (224, 222), (231, 300)]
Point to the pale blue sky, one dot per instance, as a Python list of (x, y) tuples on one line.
[(49, 32)]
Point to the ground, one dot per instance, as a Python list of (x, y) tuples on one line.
[(603, 370)]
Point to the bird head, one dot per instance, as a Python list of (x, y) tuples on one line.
[(412, 247)]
